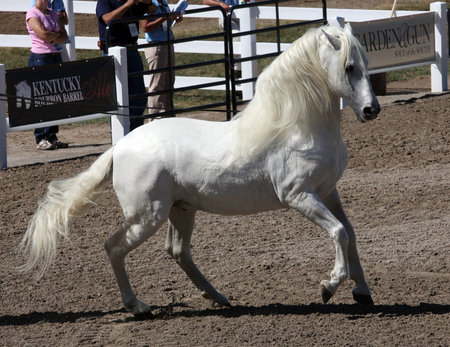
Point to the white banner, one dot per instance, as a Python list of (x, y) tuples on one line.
[(397, 41)]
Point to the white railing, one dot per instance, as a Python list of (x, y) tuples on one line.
[(247, 46), (246, 16)]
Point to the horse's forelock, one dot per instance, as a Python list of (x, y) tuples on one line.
[(348, 42)]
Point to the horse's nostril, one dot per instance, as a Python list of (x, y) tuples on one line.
[(368, 111), (371, 112)]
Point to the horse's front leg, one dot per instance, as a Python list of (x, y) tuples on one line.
[(310, 205), (361, 293)]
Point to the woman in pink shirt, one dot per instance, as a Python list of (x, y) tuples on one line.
[(45, 30)]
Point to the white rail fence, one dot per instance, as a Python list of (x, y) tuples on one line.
[(248, 17)]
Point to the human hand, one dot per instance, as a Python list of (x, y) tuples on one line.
[(225, 6), (63, 17), (177, 18)]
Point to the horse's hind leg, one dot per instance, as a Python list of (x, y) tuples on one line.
[(361, 293), (127, 238), (181, 226)]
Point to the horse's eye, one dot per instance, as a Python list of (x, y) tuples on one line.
[(349, 68)]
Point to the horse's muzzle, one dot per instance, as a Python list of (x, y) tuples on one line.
[(371, 112)]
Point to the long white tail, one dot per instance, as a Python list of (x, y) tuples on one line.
[(65, 198)]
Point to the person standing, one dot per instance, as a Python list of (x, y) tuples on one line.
[(58, 7), (46, 30), (125, 35), (160, 56)]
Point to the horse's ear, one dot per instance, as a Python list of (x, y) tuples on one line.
[(348, 29), (335, 42)]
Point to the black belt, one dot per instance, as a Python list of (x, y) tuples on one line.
[(47, 53)]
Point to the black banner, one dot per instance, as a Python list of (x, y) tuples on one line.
[(58, 91)]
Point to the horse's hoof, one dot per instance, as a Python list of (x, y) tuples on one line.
[(221, 301), (217, 299), (218, 304), (363, 299), (326, 294)]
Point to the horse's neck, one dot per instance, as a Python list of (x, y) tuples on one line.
[(328, 123)]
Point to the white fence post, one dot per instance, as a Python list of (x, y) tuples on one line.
[(439, 70), (248, 48), (68, 5), (120, 125), (3, 155)]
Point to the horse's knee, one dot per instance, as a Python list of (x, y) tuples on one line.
[(340, 236)]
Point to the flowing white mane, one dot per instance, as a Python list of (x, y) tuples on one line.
[(291, 94)]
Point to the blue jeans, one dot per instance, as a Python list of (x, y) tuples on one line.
[(136, 86), (48, 133)]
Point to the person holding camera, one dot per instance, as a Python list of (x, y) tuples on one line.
[(125, 35), (160, 56)]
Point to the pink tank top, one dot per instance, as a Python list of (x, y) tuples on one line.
[(50, 23)]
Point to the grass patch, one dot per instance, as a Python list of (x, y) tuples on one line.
[(14, 58), (407, 74)]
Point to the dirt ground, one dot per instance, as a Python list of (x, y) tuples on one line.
[(395, 192), (269, 265)]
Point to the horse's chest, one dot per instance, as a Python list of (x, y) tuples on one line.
[(330, 164), (314, 170)]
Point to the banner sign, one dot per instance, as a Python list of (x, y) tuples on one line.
[(397, 41), (58, 91)]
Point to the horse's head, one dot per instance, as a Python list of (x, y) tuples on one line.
[(345, 61)]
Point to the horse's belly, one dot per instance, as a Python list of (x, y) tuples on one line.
[(227, 196), (238, 204)]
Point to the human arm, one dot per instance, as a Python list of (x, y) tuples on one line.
[(148, 25), (63, 17), (225, 6), (45, 35), (58, 7), (62, 31), (120, 11)]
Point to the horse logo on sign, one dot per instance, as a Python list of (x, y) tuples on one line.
[(23, 94)]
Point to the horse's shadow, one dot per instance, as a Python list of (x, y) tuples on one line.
[(353, 311)]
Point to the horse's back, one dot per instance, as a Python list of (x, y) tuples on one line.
[(172, 139), (189, 160)]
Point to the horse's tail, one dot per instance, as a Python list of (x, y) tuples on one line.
[(65, 199)]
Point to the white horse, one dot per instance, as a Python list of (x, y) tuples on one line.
[(284, 150)]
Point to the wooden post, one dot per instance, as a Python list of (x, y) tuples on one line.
[(378, 81)]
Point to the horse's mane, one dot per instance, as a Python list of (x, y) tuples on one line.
[(291, 94)]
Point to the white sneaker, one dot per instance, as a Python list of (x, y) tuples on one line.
[(45, 145)]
